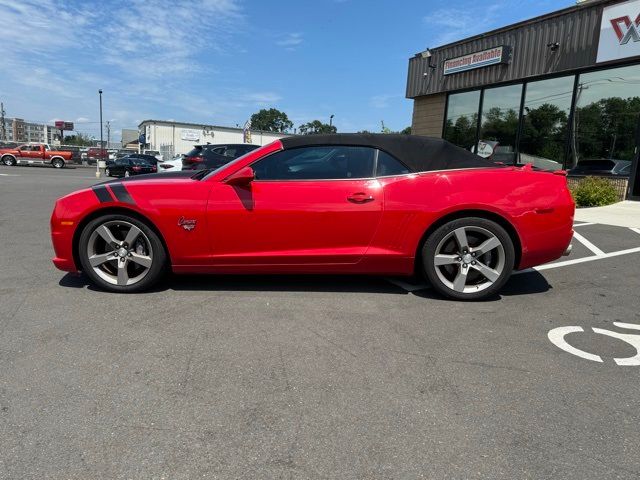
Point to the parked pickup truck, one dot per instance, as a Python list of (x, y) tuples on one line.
[(34, 154)]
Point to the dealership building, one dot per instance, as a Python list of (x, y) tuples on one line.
[(551, 91), (173, 138)]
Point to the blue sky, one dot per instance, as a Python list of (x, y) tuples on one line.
[(219, 61)]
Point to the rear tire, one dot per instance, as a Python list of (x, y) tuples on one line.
[(120, 253), (107, 172), (9, 161), (127, 174), (468, 258), (57, 163)]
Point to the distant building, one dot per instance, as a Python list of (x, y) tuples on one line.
[(17, 130), (173, 138), (129, 135)]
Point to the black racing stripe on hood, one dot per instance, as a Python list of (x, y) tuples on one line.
[(102, 193), (121, 193)]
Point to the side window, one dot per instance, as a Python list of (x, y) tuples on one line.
[(219, 151), (317, 163), (388, 165)]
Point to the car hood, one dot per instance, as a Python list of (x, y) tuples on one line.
[(153, 176)]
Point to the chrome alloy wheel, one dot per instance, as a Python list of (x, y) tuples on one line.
[(119, 253), (469, 259)]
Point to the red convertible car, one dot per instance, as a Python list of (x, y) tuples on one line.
[(339, 204)]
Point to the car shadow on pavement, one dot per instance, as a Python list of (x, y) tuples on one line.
[(259, 283), (522, 284)]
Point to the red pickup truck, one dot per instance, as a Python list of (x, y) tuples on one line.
[(34, 154)]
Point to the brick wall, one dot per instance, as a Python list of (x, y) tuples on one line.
[(428, 115)]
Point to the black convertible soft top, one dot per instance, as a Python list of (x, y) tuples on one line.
[(420, 154)]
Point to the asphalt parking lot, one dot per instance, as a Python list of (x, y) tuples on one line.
[(315, 377)]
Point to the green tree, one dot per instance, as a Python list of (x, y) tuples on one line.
[(544, 132), (406, 131), (272, 120), (605, 129), (316, 127), (79, 139)]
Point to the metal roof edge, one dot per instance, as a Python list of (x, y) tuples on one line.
[(513, 26)]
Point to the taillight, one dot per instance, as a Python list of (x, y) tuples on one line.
[(136, 169), (154, 169), (189, 160)]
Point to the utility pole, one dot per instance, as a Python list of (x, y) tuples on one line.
[(100, 156), (3, 128)]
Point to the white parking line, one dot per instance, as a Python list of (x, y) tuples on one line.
[(583, 224), (637, 230), (549, 266), (595, 250)]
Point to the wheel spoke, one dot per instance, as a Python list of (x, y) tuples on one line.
[(445, 259), (461, 238), (107, 236), (461, 279), (100, 258), (123, 275), (143, 260), (132, 235), (487, 246), (489, 273)]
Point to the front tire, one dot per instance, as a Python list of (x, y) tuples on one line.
[(468, 258), (120, 253)]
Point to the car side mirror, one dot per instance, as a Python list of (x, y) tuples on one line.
[(241, 178)]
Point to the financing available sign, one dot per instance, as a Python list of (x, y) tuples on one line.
[(620, 32), (472, 61)]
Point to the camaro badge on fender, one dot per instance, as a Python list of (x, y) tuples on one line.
[(187, 224)]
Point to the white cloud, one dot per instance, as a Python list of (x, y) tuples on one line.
[(290, 41), (458, 23), (82, 120)]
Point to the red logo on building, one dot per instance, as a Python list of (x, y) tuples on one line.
[(632, 29)]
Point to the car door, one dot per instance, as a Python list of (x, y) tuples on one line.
[(317, 205), (119, 167)]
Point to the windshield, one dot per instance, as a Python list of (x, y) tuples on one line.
[(212, 171), (195, 152)]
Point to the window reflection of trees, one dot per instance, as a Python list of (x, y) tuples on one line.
[(604, 123)]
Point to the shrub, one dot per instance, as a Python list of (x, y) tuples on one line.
[(594, 192)]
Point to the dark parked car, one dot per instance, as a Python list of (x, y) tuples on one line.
[(143, 156), (603, 166), (126, 167), (214, 156)]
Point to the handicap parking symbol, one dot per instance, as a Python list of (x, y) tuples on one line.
[(557, 337)]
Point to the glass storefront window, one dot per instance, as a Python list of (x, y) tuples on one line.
[(547, 107), (500, 118), (462, 119), (606, 116)]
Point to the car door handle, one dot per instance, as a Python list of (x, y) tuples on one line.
[(360, 197)]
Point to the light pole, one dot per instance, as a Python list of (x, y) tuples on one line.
[(331, 120), (100, 155)]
